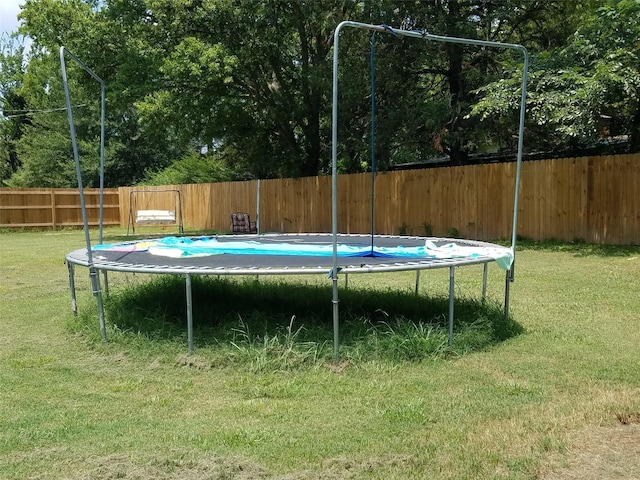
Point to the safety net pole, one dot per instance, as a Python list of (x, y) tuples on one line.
[(93, 274), (373, 137), (334, 139)]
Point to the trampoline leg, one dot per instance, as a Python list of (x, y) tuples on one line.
[(189, 314), (507, 288), (336, 319), (451, 297), (95, 285), (72, 286), (103, 328), (484, 282), (106, 282), (417, 281), (346, 281)]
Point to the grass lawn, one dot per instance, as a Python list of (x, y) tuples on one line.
[(554, 395)]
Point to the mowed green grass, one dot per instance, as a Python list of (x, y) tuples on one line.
[(138, 407)]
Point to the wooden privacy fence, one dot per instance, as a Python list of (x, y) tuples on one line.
[(589, 198), (55, 207)]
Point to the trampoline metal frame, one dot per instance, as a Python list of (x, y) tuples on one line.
[(73, 258), (93, 273), (355, 265), (334, 145)]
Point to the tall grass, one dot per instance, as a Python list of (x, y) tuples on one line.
[(280, 324)]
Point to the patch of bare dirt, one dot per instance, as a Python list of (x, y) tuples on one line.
[(193, 361), (601, 452), (122, 467), (346, 469), (340, 367)]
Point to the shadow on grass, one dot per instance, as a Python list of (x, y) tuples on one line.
[(262, 320)]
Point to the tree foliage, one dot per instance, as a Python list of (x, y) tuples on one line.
[(193, 168), (252, 81), (13, 113), (582, 93)]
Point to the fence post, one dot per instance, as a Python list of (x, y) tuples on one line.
[(53, 209)]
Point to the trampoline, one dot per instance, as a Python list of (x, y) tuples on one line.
[(289, 254), (332, 254)]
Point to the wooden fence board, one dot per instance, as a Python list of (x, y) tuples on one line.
[(583, 206), (629, 200), (613, 202), (566, 181), (632, 195)]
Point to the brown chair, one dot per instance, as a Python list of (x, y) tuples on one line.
[(241, 223)]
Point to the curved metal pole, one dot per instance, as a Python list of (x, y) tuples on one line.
[(64, 50), (103, 107), (334, 190), (373, 137), (334, 137), (516, 200), (93, 274), (523, 96)]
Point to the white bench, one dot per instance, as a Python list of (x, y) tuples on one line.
[(155, 216)]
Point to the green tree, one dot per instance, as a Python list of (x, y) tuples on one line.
[(253, 77), (95, 34), (14, 116), (584, 91), (193, 168), (426, 90), (252, 80)]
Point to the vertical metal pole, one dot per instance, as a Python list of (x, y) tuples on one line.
[(180, 224), (103, 101), (131, 220), (417, 281), (72, 286), (76, 154), (373, 138), (189, 313), (336, 320), (53, 209), (93, 274), (451, 298), (95, 286), (485, 270), (507, 288), (258, 210), (523, 103), (346, 281), (334, 195)]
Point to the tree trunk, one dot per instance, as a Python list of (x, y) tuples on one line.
[(456, 90)]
